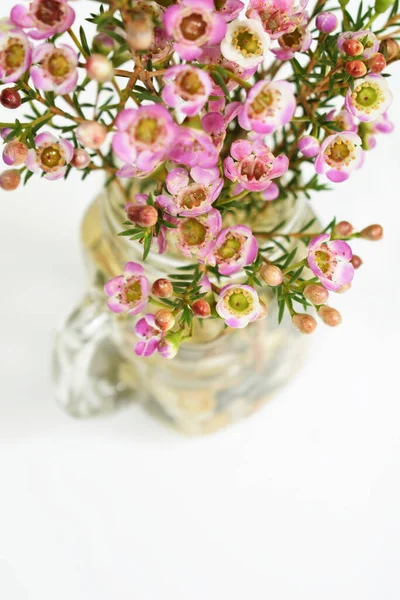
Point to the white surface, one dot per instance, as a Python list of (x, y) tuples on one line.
[(300, 501)]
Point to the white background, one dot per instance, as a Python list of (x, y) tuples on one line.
[(300, 501)]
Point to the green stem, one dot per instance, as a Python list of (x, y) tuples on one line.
[(44, 117), (77, 43)]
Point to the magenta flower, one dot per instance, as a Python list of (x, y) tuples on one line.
[(55, 69), (371, 129), (15, 54), (128, 292), (268, 106), (231, 10), (271, 193), (330, 261), (161, 238), (195, 236), (238, 305), (343, 119), (51, 155), (308, 145), (145, 136), (245, 43), (150, 336), (193, 148), (278, 17), (186, 87), (339, 155), (43, 18), (298, 40), (215, 124), (253, 165), (235, 248), (371, 45), (193, 24), (191, 196), (370, 97)]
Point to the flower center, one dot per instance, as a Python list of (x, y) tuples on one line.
[(193, 27), (133, 291), (14, 54), (368, 95), (58, 65), (50, 12), (323, 260), (147, 130), (340, 153), (247, 42), (239, 301), (194, 232), (230, 248), (265, 102), (51, 157), (253, 168), (190, 84), (293, 39), (193, 196)]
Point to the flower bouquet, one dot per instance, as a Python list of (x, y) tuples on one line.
[(228, 108)]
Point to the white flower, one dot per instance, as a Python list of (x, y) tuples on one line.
[(245, 43)]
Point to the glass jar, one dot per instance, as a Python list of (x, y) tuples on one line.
[(220, 375)]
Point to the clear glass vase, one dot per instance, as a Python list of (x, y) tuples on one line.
[(219, 376)]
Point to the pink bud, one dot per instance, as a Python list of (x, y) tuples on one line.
[(81, 159), (327, 22), (308, 146), (99, 68), (91, 134), (103, 43), (15, 153), (5, 132)]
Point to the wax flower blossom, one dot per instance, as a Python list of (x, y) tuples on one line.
[(212, 55), (193, 24), (329, 260), (343, 120), (235, 248), (15, 54), (369, 99), (43, 18), (144, 138), (253, 165), (152, 339), (238, 305), (50, 155), (55, 69), (245, 43), (278, 17), (128, 292), (186, 87), (193, 148), (268, 106), (368, 39), (298, 40), (368, 131), (195, 236), (339, 155), (231, 9), (191, 194)]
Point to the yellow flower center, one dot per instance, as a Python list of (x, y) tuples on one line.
[(190, 84), (51, 157), (230, 248), (238, 301), (133, 291), (147, 130), (14, 55), (340, 153), (323, 260), (194, 232), (193, 196), (58, 65), (367, 96), (247, 42)]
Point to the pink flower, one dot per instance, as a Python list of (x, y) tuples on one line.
[(253, 165), (193, 148), (195, 236), (327, 22), (145, 136), (371, 45), (215, 124), (161, 238), (330, 261), (193, 24), (343, 119), (278, 17), (268, 106), (369, 130), (51, 155), (128, 292), (152, 339), (191, 196), (15, 54), (55, 69), (161, 48), (370, 97), (308, 145), (43, 18), (231, 10), (238, 305), (298, 40), (212, 55), (339, 155), (235, 248), (186, 87)]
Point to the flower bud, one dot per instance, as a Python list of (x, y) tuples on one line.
[(271, 274), (15, 153), (10, 180), (103, 43), (356, 261), (316, 294), (327, 22), (330, 316), (99, 68), (343, 228), (356, 68), (353, 47), (201, 308), (10, 98), (308, 146), (263, 312), (91, 134), (81, 159), (162, 288), (304, 323), (143, 215), (382, 6), (377, 63), (5, 132), (139, 30), (372, 233), (164, 319), (390, 49)]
